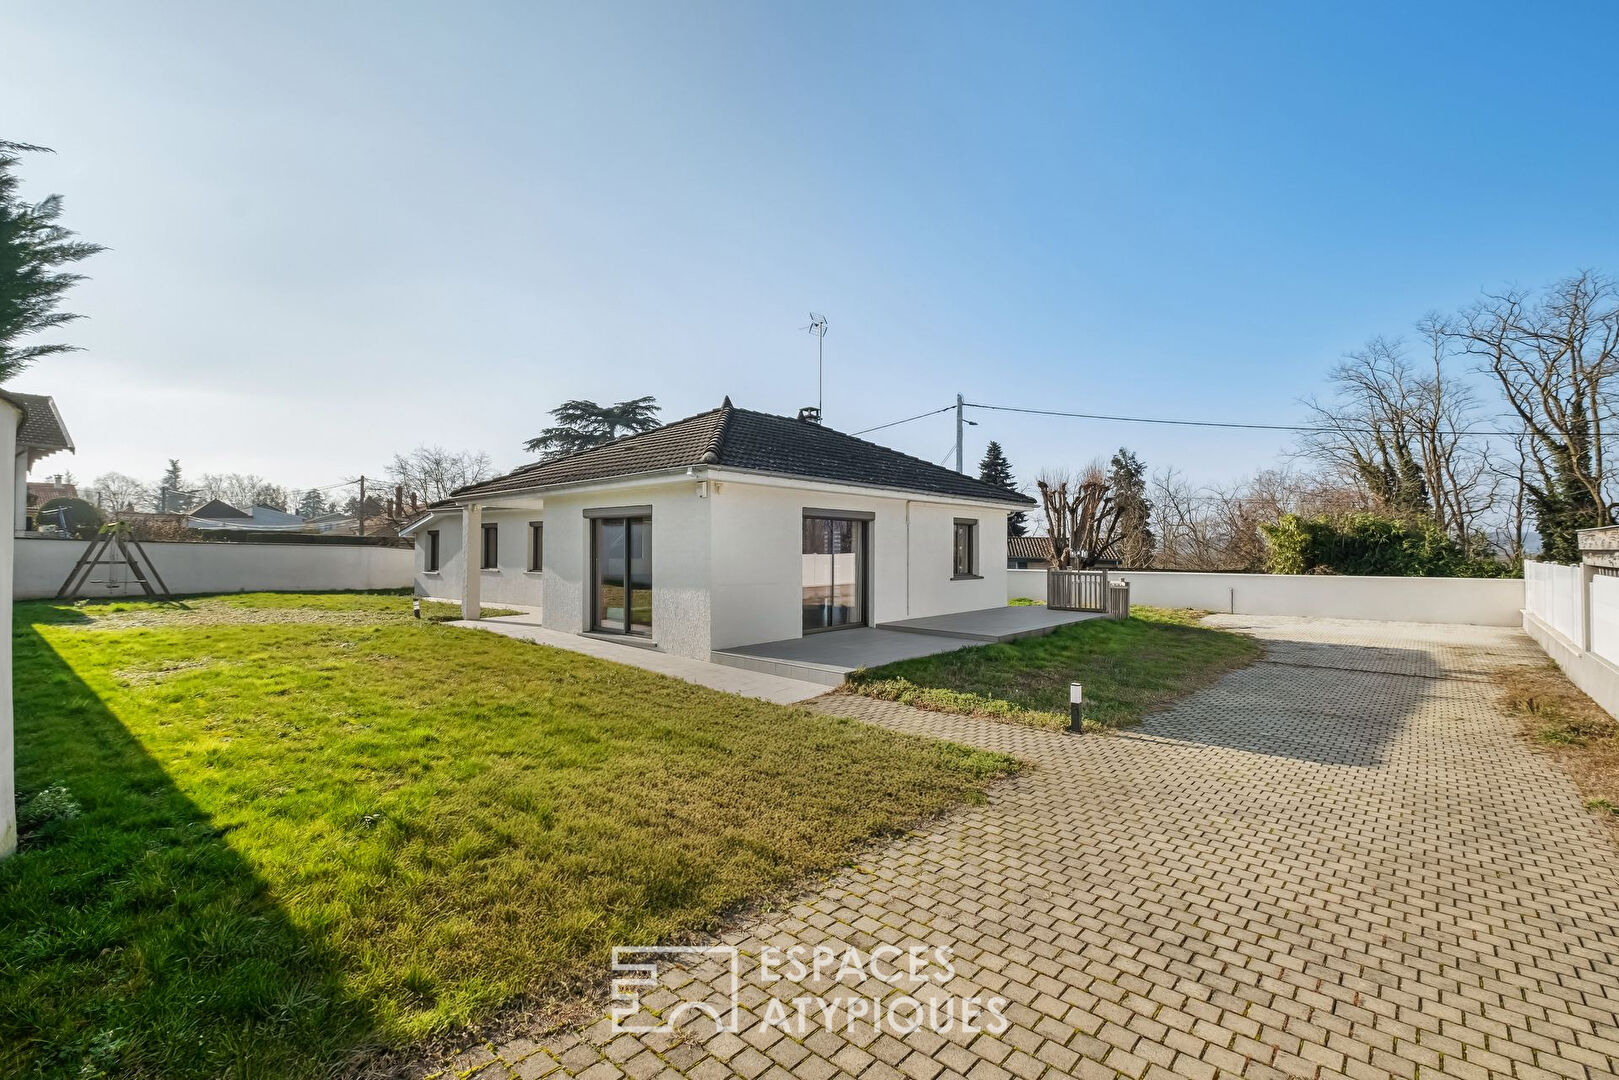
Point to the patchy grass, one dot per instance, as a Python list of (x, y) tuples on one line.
[(354, 608), (1584, 738), (263, 833), (1130, 668)]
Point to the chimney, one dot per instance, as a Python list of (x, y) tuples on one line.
[(809, 414)]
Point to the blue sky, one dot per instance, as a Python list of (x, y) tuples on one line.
[(338, 231)]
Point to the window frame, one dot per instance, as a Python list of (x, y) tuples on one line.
[(536, 547), (489, 546), (969, 527), (431, 555)]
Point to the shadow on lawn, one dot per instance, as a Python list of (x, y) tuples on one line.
[(137, 942)]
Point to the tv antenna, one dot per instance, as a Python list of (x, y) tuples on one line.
[(817, 326)]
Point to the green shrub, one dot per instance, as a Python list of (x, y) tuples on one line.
[(83, 519), (1372, 544)]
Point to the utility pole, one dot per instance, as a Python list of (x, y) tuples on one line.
[(360, 508), (959, 468)]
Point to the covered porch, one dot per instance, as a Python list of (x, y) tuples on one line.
[(828, 657)]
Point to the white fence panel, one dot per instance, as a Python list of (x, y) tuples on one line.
[(1555, 595), (1605, 617)]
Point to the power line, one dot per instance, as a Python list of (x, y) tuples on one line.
[(1296, 428), (907, 420)]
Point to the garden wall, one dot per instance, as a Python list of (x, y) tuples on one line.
[(1475, 601), (43, 564), (1572, 612)]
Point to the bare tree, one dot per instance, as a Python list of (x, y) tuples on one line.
[(115, 491), (433, 472), (1082, 518), (1217, 527), (1554, 358), (241, 490), (1365, 433)]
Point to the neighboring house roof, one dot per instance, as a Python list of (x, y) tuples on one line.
[(214, 508), (1028, 547), (734, 438)]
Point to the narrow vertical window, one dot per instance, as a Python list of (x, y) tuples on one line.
[(536, 546), (430, 557), (491, 546), (966, 548)]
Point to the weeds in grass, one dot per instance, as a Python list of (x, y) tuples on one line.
[(1556, 715)]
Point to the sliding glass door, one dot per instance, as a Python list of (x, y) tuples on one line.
[(621, 561), (834, 573)]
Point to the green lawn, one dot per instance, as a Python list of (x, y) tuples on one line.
[(261, 833), (1129, 668)]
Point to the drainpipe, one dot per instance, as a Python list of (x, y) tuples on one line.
[(907, 558), (471, 560)]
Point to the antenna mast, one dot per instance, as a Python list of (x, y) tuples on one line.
[(817, 326)]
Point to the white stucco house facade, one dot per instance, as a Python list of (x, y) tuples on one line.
[(728, 528)]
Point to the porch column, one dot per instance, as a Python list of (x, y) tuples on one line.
[(471, 560)]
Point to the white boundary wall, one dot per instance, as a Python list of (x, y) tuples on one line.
[(1473, 601), (1572, 612), (42, 565)]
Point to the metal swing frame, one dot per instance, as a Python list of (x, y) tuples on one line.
[(119, 540)]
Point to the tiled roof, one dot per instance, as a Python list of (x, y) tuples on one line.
[(215, 510), (734, 438), (1028, 547), (42, 427)]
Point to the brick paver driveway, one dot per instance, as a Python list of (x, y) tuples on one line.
[(1339, 861)]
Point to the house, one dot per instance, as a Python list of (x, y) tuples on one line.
[(217, 514), (1028, 552), (40, 433), (728, 528)]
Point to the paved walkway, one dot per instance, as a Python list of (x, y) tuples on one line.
[(754, 684), (1340, 861)]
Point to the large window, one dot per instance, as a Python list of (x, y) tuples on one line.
[(621, 554), (834, 572), (430, 552), (536, 546), (491, 546), (966, 548)]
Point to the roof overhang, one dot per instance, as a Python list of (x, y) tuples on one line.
[(723, 473)]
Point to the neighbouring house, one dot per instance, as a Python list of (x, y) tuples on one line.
[(217, 514), (728, 528), (1028, 552), (41, 492), (40, 433)]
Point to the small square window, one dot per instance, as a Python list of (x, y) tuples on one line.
[(966, 548), (491, 547), (536, 546), (430, 552)]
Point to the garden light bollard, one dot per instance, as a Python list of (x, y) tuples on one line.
[(1076, 709), (416, 607)]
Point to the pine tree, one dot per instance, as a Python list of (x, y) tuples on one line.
[(995, 469), (1127, 477), (32, 246), (170, 499), (581, 425)]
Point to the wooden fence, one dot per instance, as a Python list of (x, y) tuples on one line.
[(1076, 590)]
